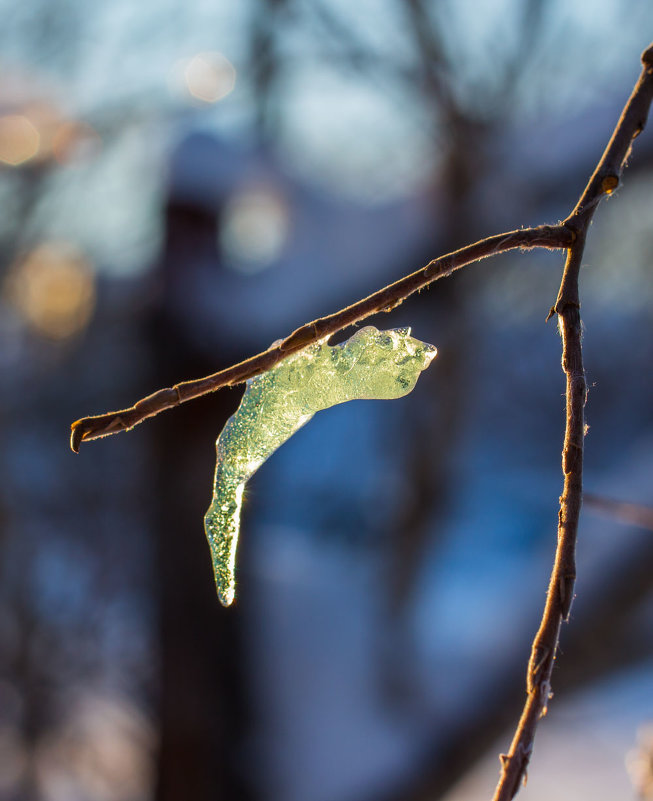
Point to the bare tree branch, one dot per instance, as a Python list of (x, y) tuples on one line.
[(570, 235), (604, 180), (386, 299), (563, 576), (635, 514)]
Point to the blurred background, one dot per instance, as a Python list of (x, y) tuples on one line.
[(182, 184)]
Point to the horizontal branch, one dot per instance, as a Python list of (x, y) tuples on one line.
[(544, 236), (604, 180), (635, 514)]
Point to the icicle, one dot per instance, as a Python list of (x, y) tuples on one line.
[(371, 364)]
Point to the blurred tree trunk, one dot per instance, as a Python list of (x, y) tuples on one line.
[(203, 706)]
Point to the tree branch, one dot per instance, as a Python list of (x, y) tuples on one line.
[(386, 299), (569, 235), (563, 576), (634, 514), (604, 181)]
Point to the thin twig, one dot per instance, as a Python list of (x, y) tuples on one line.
[(386, 299), (604, 180), (563, 576), (636, 514)]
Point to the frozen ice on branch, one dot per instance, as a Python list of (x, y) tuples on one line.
[(372, 364)]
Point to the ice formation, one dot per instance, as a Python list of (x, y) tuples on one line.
[(371, 364)]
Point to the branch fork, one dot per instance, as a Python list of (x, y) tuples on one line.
[(568, 235)]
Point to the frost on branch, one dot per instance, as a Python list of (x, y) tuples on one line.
[(372, 364)]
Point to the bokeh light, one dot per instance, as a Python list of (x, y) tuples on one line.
[(19, 139), (209, 77), (53, 290), (255, 229), (639, 763)]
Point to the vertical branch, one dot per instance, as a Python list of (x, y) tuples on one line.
[(604, 181), (561, 584)]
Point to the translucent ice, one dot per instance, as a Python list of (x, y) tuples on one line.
[(371, 364)]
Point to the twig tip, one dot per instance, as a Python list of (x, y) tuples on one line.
[(76, 435), (647, 57)]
